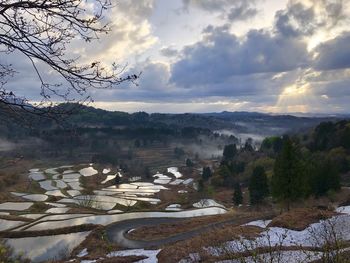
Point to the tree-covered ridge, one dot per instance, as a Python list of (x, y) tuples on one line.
[(290, 167)]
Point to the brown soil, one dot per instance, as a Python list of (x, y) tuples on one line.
[(300, 218)]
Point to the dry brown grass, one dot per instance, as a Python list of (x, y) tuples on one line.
[(224, 196), (11, 178), (166, 230), (300, 218), (96, 244), (180, 250)]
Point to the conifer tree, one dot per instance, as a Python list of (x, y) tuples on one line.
[(237, 194), (324, 177), (206, 174), (288, 180), (258, 186), (229, 151)]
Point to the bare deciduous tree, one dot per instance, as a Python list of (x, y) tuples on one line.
[(40, 30)]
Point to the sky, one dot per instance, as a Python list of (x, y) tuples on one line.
[(278, 56)]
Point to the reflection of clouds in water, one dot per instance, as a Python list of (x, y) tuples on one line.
[(39, 249), (6, 224), (108, 219)]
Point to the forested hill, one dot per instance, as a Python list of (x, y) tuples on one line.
[(238, 121), (235, 123)]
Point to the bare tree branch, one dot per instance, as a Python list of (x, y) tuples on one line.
[(41, 30)]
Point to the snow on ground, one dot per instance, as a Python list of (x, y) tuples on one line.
[(175, 172), (207, 203), (83, 253), (161, 178), (173, 207), (259, 223), (109, 178), (343, 209), (150, 254), (314, 235), (106, 171), (297, 256), (88, 171)]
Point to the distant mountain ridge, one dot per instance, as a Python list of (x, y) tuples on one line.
[(264, 124), (239, 121)]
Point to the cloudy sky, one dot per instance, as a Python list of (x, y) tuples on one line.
[(215, 55)]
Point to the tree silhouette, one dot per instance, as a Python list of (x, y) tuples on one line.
[(258, 185), (40, 30)]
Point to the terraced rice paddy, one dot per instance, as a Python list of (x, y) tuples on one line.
[(62, 189)]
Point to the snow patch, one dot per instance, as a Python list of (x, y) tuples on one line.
[(150, 254)]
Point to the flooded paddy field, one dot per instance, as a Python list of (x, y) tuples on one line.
[(62, 201)]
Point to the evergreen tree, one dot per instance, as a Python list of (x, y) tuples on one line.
[(189, 162), (237, 194), (248, 145), (206, 174), (230, 151), (258, 186), (287, 180), (148, 173), (324, 177)]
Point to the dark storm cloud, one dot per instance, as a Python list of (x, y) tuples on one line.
[(154, 86), (334, 54), (298, 19), (222, 55)]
